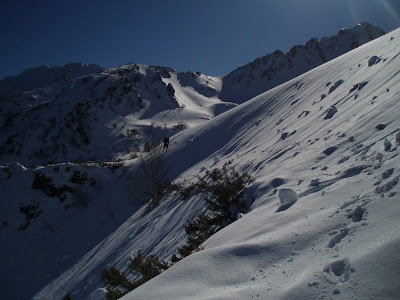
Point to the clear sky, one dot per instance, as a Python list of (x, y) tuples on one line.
[(209, 36)]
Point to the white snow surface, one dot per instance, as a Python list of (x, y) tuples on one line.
[(341, 238), (323, 154), (338, 237)]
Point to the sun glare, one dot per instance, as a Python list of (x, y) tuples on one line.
[(386, 4), (391, 10)]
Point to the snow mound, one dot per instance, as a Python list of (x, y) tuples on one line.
[(287, 198)]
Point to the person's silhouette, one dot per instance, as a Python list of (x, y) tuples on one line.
[(166, 144)]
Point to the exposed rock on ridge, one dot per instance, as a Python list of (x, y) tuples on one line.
[(276, 68)]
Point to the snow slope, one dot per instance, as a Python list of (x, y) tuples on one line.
[(338, 237), (323, 154), (276, 68)]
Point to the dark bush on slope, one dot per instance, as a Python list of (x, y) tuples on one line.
[(31, 212), (224, 195), (67, 297), (225, 201), (118, 284)]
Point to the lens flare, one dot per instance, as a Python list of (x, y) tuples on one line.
[(353, 11), (387, 5), (391, 10)]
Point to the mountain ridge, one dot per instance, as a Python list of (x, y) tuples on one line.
[(43, 76), (276, 68), (66, 116), (325, 48)]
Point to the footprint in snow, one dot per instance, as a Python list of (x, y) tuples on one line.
[(357, 214), (335, 86), (294, 102), (330, 112), (328, 151), (380, 126), (384, 188), (358, 86), (338, 237), (374, 60), (287, 134), (305, 113), (339, 268), (387, 145), (387, 173)]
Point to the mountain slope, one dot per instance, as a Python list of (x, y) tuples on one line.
[(67, 193), (79, 112), (339, 238), (101, 116), (276, 68), (323, 153), (44, 76)]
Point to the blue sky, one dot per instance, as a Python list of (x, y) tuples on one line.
[(209, 36)]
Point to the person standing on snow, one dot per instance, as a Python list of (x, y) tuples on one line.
[(166, 144)]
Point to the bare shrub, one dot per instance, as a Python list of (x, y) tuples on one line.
[(149, 180), (180, 126)]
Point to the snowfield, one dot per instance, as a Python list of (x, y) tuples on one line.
[(322, 151), (336, 232)]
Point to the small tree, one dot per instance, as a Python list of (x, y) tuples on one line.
[(144, 269), (224, 198), (67, 297), (117, 283), (149, 180), (148, 268)]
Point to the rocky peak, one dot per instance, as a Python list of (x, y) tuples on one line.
[(276, 68)]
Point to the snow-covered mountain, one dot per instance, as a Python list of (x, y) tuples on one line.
[(322, 151), (102, 116), (82, 112), (44, 76), (276, 68), (62, 114)]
